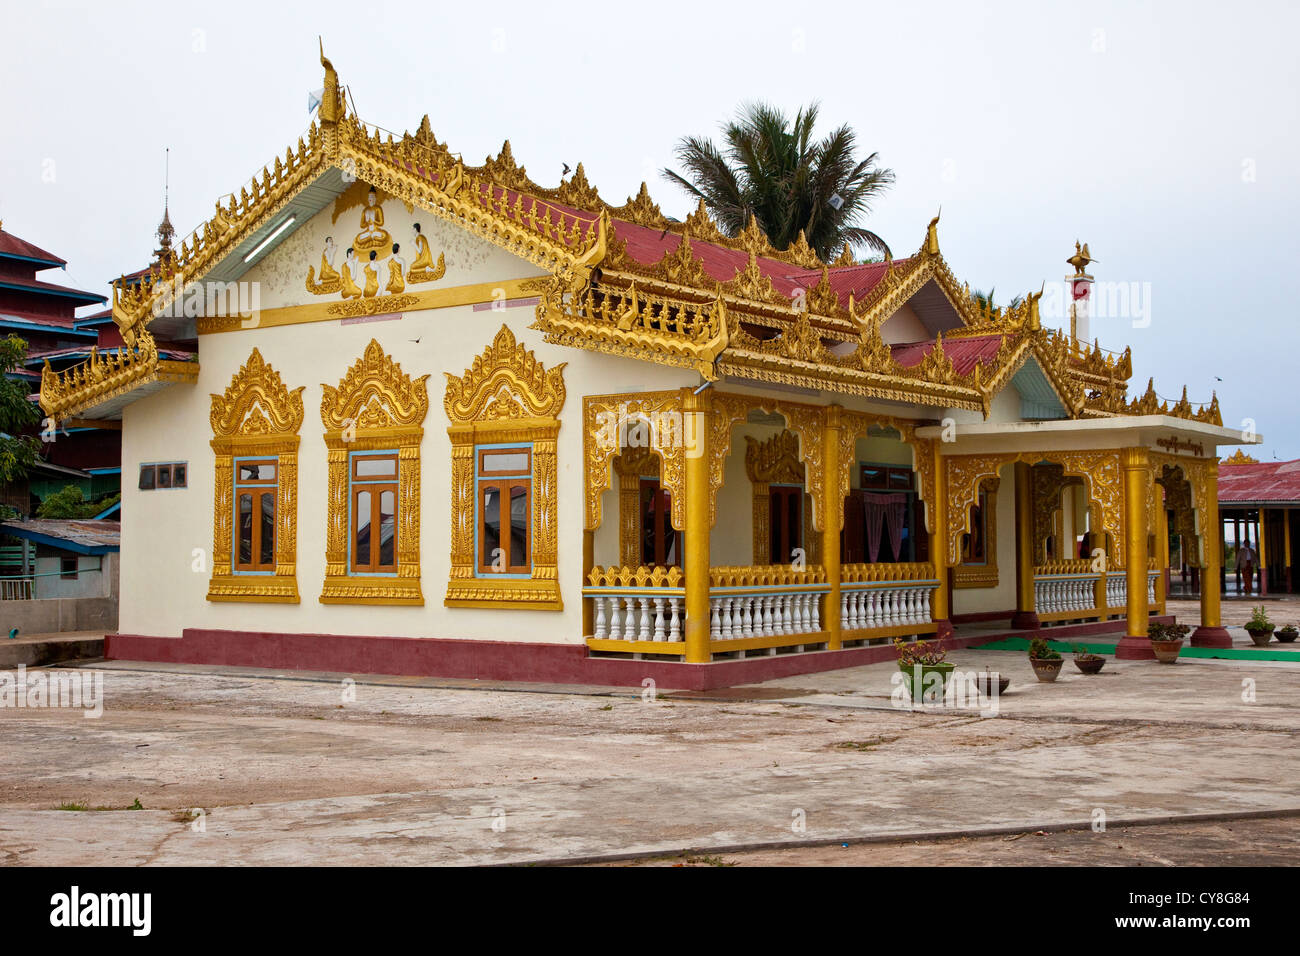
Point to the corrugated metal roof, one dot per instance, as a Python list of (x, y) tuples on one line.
[(86, 536), (1272, 481)]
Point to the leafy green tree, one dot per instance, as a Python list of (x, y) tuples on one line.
[(770, 167), (18, 452), (71, 503)]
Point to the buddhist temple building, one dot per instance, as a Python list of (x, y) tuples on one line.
[(444, 420), (1259, 503)]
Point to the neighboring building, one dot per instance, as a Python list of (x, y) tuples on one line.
[(70, 582), (44, 315), (660, 451), (1259, 503)]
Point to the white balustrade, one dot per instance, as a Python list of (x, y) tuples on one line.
[(1064, 593), (639, 616), (758, 612), (893, 605)]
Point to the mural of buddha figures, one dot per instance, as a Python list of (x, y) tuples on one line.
[(348, 276), (372, 234), (423, 268), (396, 265)]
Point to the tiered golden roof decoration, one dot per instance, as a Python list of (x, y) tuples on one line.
[(671, 311), (1239, 457)]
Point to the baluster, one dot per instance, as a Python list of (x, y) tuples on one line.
[(629, 619), (927, 613), (815, 607), (615, 622), (726, 618), (747, 617), (846, 610), (601, 629), (769, 627), (787, 613), (801, 614), (715, 627), (659, 619), (645, 619), (674, 623)]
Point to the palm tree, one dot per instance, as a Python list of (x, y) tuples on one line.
[(772, 169)]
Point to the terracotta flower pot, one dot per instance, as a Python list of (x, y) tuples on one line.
[(1259, 636), (1046, 669), (1167, 651), (1090, 665)]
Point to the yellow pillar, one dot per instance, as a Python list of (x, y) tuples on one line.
[(940, 612), (588, 562), (1261, 523), (1211, 633), (832, 518), (696, 410), (1162, 551), (1136, 465), (1026, 612)]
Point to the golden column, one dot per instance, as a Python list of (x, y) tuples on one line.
[(938, 511), (831, 509), (1211, 633), (1026, 616), (696, 407), (1136, 465)]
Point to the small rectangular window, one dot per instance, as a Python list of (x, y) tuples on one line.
[(510, 461), (147, 473), (374, 466), (164, 476), (178, 475), (68, 566), (249, 472), (255, 493)]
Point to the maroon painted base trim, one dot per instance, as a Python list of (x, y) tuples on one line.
[(978, 617), (1025, 621), (1134, 648), (1211, 637), (943, 629), (477, 660)]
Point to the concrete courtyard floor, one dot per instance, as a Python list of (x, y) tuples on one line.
[(297, 768)]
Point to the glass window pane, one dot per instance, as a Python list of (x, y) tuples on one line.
[(518, 526), (178, 476), (253, 471), (376, 467), (268, 529), (387, 526), (491, 536), (361, 521), (505, 462), (245, 529), (164, 476), (146, 477)]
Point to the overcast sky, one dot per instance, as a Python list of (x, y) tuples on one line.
[(1163, 134)]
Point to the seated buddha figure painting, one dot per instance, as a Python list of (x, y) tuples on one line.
[(373, 261)]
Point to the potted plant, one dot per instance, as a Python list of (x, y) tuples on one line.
[(1259, 627), (990, 682), (1167, 640), (1045, 661), (1086, 660), (917, 660), (1287, 634)]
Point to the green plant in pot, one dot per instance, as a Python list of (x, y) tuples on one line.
[(1045, 661), (1086, 660), (1287, 634), (1167, 640), (1259, 627), (925, 668)]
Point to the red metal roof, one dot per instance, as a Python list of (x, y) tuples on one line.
[(1266, 481), (36, 285), (648, 245), (11, 245), (965, 352)]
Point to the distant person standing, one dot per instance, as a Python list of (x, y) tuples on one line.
[(1246, 559)]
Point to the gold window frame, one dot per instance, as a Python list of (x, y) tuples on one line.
[(256, 417), (506, 397), (376, 407), (983, 575)]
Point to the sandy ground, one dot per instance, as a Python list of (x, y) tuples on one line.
[(308, 769)]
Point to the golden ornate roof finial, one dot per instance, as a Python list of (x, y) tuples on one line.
[(1239, 457), (846, 257), (932, 234), (1033, 321), (1080, 259), (330, 102)]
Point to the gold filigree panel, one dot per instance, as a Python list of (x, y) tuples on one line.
[(649, 422), (376, 406), (255, 416), (983, 575), (507, 395)]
